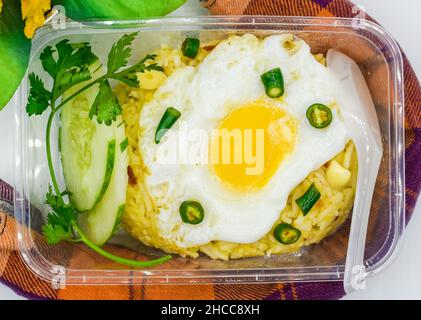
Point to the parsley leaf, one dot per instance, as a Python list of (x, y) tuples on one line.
[(120, 53), (73, 55), (154, 66), (48, 62), (63, 214), (147, 57), (141, 66), (39, 97), (129, 75), (71, 77), (55, 234), (60, 220), (105, 107), (70, 67), (129, 78)]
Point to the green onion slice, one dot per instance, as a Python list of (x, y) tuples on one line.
[(124, 144), (308, 199), (190, 47), (286, 234), (273, 82), (170, 117), (192, 212), (319, 115)]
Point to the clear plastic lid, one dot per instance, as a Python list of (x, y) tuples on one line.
[(379, 59)]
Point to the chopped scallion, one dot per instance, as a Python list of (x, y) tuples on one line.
[(124, 144), (273, 82), (308, 199), (286, 234), (170, 117), (190, 47), (319, 115), (192, 212)]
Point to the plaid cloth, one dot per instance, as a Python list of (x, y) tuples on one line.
[(14, 273)]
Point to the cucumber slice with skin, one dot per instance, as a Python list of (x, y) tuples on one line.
[(100, 223), (94, 166), (119, 219), (87, 152)]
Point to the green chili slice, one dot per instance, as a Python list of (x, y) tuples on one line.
[(273, 82), (308, 199), (286, 234), (319, 115), (190, 47), (192, 212), (170, 117)]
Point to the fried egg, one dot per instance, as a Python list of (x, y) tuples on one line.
[(234, 150)]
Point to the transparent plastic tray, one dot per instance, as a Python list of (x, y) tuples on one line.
[(377, 55)]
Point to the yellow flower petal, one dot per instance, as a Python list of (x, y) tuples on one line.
[(33, 13), (1, 5)]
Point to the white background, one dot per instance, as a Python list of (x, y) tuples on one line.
[(402, 279)]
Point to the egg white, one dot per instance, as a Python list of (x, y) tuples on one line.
[(228, 78)]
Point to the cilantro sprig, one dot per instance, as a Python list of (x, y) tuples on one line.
[(68, 65)]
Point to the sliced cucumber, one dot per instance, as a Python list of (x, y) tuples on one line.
[(87, 151), (104, 219), (94, 166), (119, 219)]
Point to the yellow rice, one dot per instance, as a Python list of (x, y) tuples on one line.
[(140, 218)]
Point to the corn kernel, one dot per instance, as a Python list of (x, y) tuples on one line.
[(150, 80), (337, 176), (320, 58)]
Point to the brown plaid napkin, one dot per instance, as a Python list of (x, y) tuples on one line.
[(15, 274)]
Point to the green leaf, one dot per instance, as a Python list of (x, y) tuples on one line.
[(39, 97), (120, 53), (48, 62), (55, 234), (118, 9), (71, 77), (105, 107), (71, 66), (62, 214), (148, 57), (154, 66), (14, 50), (129, 76), (72, 55)]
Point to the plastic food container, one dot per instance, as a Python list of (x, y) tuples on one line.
[(368, 44)]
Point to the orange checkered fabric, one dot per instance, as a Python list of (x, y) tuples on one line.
[(15, 274)]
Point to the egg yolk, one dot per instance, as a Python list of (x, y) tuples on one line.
[(251, 143)]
